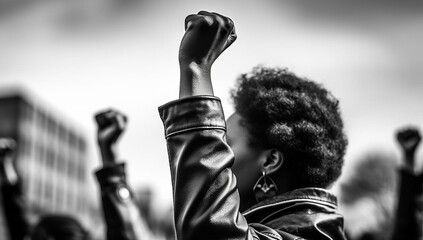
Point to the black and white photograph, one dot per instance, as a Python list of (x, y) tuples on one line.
[(186, 120)]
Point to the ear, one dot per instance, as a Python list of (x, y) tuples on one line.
[(272, 161)]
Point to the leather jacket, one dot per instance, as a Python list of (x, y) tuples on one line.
[(121, 214), (14, 210), (205, 195), (407, 221)]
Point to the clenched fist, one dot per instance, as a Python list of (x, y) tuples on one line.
[(207, 35), (7, 146), (111, 125), (8, 174), (409, 139)]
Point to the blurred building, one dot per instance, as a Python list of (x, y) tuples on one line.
[(51, 158), (161, 222)]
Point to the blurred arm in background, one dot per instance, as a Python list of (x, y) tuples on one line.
[(122, 216), (11, 190), (406, 222)]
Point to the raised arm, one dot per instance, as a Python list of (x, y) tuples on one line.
[(121, 213), (11, 189), (206, 198), (207, 35), (111, 125), (406, 225)]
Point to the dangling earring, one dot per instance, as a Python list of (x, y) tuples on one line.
[(264, 188)]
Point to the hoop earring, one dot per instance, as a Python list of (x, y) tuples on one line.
[(264, 188)]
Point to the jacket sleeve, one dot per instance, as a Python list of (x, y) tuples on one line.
[(14, 210), (122, 216), (406, 223), (205, 195)]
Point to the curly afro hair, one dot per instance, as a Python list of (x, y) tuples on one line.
[(296, 116)]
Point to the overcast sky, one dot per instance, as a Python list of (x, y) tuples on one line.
[(78, 57)]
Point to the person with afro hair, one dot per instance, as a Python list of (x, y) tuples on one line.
[(294, 116), (264, 173)]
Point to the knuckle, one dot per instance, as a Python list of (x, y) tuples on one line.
[(220, 20), (229, 22), (204, 21)]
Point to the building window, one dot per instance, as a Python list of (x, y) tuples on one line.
[(41, 153), (62, 133), (48, 192), (81, 171), (73, 141), (61, 164), (27, 111), (41, 120), (59, 196), (37, 189), (50, 157), (71, 168), (51, 126), (24, 146), (82, 146)]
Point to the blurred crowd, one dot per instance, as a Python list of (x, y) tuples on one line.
[(125, 216), (380, 198)]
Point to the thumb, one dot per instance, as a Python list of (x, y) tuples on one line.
[(120, 121), (231, 38)]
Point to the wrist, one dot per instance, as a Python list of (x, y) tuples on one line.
[(108, 155), (195, 79), (408, 168), (409, 155), (408, 163), (103, 145)]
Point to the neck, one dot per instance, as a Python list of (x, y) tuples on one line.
[(283, 181)]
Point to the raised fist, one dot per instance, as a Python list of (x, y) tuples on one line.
[(111, 124), (8, 174), (207, 35), (408, 139), (7, 146)]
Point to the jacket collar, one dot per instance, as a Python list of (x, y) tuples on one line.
[(316, 196)]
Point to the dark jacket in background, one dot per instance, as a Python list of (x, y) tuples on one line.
[(121, 214), (14, 211), (407, 225), (122, 217)]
